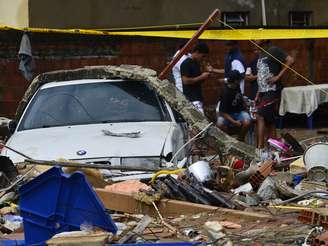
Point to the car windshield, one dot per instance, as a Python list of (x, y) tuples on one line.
[(92, 103)]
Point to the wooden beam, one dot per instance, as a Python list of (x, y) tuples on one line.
[(169, 208), (189, 44)]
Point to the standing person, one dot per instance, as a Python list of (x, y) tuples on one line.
[(251, 74), (234, 60), (176, 68), (232, 106), (193, 77), (269, 74)]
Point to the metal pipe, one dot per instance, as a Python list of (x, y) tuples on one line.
[(189, 44), (264, 19), (90, 165), (16, 151)]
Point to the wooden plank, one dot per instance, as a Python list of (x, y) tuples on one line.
[(126, 203)]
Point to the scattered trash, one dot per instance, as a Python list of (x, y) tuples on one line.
[(216, 233), (129, 186), (228, 196), (230, 225), (123, 134), (268, 190), (214, 230), (190, 232), (201, 171), (7, 198), (140, 227), (80, 238), (321, 239), (245, 188), (12, 223), (263, 171), (316, 162)]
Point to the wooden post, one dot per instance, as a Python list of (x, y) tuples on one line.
[(189, 44)]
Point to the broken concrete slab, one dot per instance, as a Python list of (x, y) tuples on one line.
[(214, 137)]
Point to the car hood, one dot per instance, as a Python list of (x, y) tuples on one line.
[(89, 141)]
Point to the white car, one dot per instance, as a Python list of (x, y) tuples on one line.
[(118, 122)]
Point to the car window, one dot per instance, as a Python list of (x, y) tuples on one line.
[(121, 101)]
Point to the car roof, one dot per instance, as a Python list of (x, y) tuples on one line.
[(77, 82)]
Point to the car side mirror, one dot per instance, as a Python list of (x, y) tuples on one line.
[(12, 125)]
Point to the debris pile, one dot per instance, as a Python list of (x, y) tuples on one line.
[(230, 196)]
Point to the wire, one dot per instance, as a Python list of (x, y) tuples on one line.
[(283, 64), (190, 140), (16, 151)]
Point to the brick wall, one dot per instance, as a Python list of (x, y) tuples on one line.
[(54, 52)]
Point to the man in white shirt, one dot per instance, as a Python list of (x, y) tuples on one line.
[(176, 69), (234, 60)]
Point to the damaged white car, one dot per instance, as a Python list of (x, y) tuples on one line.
[(115, 122)]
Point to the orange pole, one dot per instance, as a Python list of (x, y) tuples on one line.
[(190, 43)]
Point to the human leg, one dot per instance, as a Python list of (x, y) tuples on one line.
[(260, 131), (272, 133), (245, 120), (266, 116), (222, 124)]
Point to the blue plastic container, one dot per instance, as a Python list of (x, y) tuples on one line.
[(7, 242), (55, 202)]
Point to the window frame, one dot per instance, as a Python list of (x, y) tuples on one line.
[(243, 15), (307, 18)]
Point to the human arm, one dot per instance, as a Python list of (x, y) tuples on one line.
[(193, 80), (223, 80), (250, 77), (189, 72), (289, 61), (211, 69), (237, 65), (257, 97)]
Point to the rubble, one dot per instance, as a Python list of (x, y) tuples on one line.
[(231, 198), (321, 240), (80, 238)]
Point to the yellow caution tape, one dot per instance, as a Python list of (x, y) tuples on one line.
[(236, 34), (290, 207)]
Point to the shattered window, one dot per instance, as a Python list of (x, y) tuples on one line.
[(92, 103)]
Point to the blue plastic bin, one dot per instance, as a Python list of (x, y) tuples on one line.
[(8, 242), (55, 202)]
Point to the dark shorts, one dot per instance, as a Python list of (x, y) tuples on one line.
[(268, 106)]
